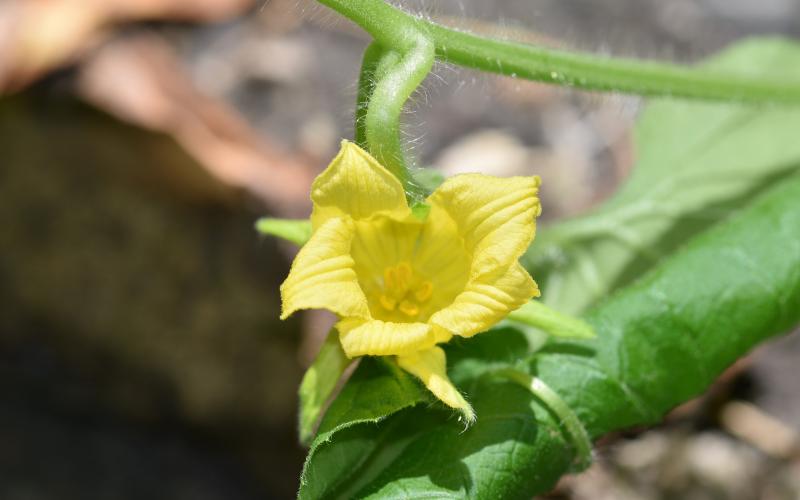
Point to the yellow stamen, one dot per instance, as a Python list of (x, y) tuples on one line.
[(404, 275), (390, 278), (388, 303), (424, 291), (403, 290), (408, 308)]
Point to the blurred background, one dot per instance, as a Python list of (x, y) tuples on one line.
[(140, 351)]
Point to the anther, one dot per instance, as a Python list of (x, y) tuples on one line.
[(408, 308), (388, 303), (424, 291), (390, 278), (404, 275)]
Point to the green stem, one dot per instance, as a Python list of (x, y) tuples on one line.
[(395, 28), (592, 72), (366, 85), (375, 64), (394, 85), (570, 422), (393, 67), (388, 25)]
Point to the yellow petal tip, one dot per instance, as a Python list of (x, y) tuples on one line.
[(430, 367), (468, 415), (355, 184)]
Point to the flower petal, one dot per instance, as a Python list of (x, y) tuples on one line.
[(495, 216), (355, 184), (383, 338), (323, 274), (430, 366), (485, 301)]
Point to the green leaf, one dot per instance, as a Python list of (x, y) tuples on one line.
[(660, 342), (696, 162), (319, 382), (552, 322), (298, 231), (424, 449), (438, 459), (378, 388), (665, 338)]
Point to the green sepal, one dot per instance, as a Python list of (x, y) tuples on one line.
[(420, 210), (298, 231), (429, 178), (552, 322), (319, 383)]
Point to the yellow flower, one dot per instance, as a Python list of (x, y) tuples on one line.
[(402, 285)]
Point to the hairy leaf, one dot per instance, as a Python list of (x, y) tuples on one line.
[(660, 341), (378, 388), (696, 162)]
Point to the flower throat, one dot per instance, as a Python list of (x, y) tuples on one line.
[(403, 290)]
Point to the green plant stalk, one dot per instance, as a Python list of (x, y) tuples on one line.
[(389, 26), (392, 68), (375, 63), (592, 72), (576, 434), (394, 85), (397, 29), (366, 85)]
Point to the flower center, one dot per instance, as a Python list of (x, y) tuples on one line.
[(403, 290)]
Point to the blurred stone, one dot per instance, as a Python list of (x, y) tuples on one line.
[(764, 11), (785, 484), (282, 60), (754, 426), (492, 152), (775, 368), (676, 463), (724, 465), (601, 483), (319, 137), (644, 452)]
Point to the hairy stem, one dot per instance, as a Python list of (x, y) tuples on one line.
[(389, 26), (393, 66), (366, 85), (396, 79), (592, 72), (395, 28), (576, 433)]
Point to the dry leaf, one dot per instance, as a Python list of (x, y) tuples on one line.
[(140, 81), (37, 36)]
